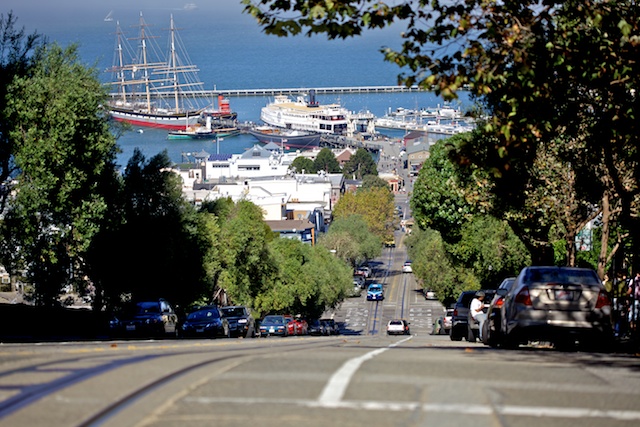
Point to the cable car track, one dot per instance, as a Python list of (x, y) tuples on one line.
[(69, 371)]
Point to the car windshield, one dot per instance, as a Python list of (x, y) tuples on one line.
[(276, 320), (204, 314), (395, 322), (147, 307), (233, 311), (375, 288)]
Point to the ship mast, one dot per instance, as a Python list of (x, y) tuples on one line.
[(145, 65), (173, 66), (120, 72)]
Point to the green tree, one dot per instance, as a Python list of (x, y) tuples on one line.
[(375, 205), (351, 240), (301, 164), (309, 280), (544, 71), (156, 245), (438, 200), (360, 165), (65, 156), (490, 250), (247, 268), (374, 181), (433, 268), (326, 161), (16, 60)]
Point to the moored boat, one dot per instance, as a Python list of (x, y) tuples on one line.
[(309, 116), (207, 131), (289, 138), (154, 92)]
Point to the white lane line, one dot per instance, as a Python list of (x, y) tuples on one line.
[(454, 409), (339, 381)]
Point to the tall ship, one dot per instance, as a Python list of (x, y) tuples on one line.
[(305, 115), (152, 91)]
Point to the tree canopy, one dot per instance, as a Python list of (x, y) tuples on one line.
[(326, 161), (544, 71), (65, 157), (360, 165)]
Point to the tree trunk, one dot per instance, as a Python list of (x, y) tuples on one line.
[(604, 240)]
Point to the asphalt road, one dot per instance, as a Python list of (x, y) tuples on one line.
[(360, 378)]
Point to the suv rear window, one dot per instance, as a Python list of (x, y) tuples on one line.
[(561, 275)]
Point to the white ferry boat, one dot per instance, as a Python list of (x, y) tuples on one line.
[(305, 115)]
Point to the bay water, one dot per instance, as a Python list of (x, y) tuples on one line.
[(231, 52)]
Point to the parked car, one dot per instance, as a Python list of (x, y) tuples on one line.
[(355, 291), (331, 326), (292, 328), (241, 322), (398, 327), (155, 319), (273, 325), (208, 322), (302, 326), (360, 281), (364, 271), (316, 327), (447, 320), (375, 292), (491, 330), (460, 327), (561, 305), (406, 267)]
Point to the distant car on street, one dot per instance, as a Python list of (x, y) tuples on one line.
[(375, 292), (154, 319), (206, 322), (398, 327), (406, 267), (274, 325), (241, 322), (331, 326)]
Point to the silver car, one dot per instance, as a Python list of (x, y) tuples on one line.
[(560, 305)]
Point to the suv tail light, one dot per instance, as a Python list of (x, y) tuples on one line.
[(523, 297), (455, 312), (603, 300), (499, 302)]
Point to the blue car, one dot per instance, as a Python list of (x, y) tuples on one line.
[(375, 292), (274, 325)]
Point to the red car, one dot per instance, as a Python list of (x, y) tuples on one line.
[(302, 326), (292, 327)]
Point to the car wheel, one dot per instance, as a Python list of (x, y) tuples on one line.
[(454, 335)]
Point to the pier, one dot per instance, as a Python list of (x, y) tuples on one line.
[(295, 91)]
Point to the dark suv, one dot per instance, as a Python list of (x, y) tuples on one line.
[(241, 323), (460, 318)]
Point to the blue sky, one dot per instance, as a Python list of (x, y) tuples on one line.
[(39, 13)]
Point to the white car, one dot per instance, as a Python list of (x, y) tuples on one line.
[(429, 294), (406, 267), (398, 327)]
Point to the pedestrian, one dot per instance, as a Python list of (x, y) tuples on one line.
[(477, 311)]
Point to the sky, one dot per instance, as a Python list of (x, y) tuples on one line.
[(44, 15)]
